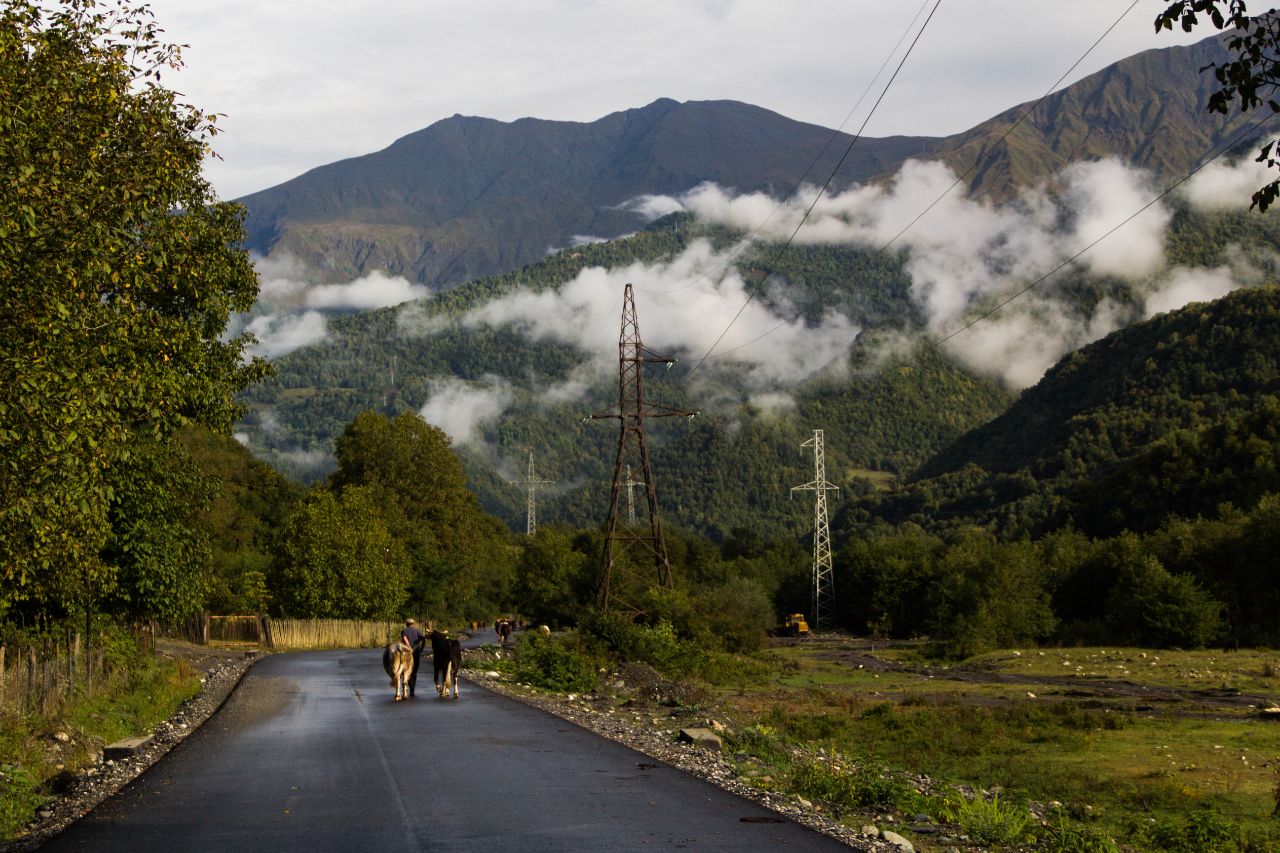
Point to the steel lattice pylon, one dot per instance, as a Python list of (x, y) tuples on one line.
[(620, 579), (629, 483), (823, 585), (532, 481)]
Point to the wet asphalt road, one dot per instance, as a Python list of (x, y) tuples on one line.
[(312, 753)]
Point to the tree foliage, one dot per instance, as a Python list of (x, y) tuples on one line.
[(1251, 77), (454, 548), (337, 559), (118, 272)]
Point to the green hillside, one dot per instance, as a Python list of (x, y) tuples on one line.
[(1176, 415), (731, 467)]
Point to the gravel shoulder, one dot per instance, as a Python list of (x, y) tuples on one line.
[(644, 723), (221, 671)]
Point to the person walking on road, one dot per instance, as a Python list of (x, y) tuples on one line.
[(414, 638)]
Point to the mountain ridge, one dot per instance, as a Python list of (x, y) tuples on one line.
[(468, 197)]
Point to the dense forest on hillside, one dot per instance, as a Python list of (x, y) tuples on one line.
[(1173, 416), (734, 464)]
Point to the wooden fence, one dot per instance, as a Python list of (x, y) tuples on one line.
[(298, 634), (42, 676), (289, 634)]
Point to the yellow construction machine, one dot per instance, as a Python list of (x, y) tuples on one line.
[(794, 625)]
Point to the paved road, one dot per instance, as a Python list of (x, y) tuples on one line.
[(312, 753)]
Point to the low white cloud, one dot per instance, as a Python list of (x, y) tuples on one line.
[(1227, 186), (376, 290), (683, 306), (292, 305), (651, 207), (1184, 286), (966, 255), (459, 407), (279, 334)]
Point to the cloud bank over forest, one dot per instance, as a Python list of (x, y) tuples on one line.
[(963, 257)]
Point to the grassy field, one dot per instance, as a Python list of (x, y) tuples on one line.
[(1156, 750)]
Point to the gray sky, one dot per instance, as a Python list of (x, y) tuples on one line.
[(307, 82)]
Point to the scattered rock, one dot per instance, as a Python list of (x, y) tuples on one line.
[(702, 737), (870, 831), (898, 841)]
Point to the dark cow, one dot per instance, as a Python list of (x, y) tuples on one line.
[(503, 628), (446, 658)]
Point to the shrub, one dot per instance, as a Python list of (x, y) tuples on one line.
[(864, 788), (554, 663), (995, 822), (1067, 839), (737, 613), (1203, 831), (19, 798), (656, 645)]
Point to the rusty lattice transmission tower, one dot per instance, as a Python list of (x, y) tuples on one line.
[(532, 481), (823, 586), (621, 575)]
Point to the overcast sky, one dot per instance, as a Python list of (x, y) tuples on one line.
[(307, 82)]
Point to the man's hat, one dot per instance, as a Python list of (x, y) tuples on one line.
[(409, 621)]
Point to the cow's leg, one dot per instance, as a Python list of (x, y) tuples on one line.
[(455, 682)]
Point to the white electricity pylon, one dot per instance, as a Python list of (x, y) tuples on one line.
[(823, 585), (532, 481), (631, 498)]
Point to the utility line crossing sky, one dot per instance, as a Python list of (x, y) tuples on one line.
[(307, 83)]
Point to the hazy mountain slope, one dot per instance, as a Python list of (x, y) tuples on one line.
[(730, 467), (1148, 110), (1178, 414), (469, 197)]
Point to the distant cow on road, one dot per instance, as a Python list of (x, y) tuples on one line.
[(446, 659), (503, 629)]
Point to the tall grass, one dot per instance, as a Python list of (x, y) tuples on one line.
[(303, 634)]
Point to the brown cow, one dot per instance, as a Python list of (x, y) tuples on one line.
[(400, 656)]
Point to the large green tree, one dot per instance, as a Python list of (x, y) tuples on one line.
[(118, 274), (454, 547), (338, 560)]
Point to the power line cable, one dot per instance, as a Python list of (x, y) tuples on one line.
[(1213, 156), (975, 165), (1011, 128), (747, 241), (754, 291)]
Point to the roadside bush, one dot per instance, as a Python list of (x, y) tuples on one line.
[(554, 663), (19, 798), (1067, 839), (737, 613), (864, 788), (1203, 831), (995, 822), (657, 645)]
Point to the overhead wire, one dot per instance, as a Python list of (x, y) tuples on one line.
[(1011, 128), (1167, 190), (978, 162), (748, 240), (754, 291)]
